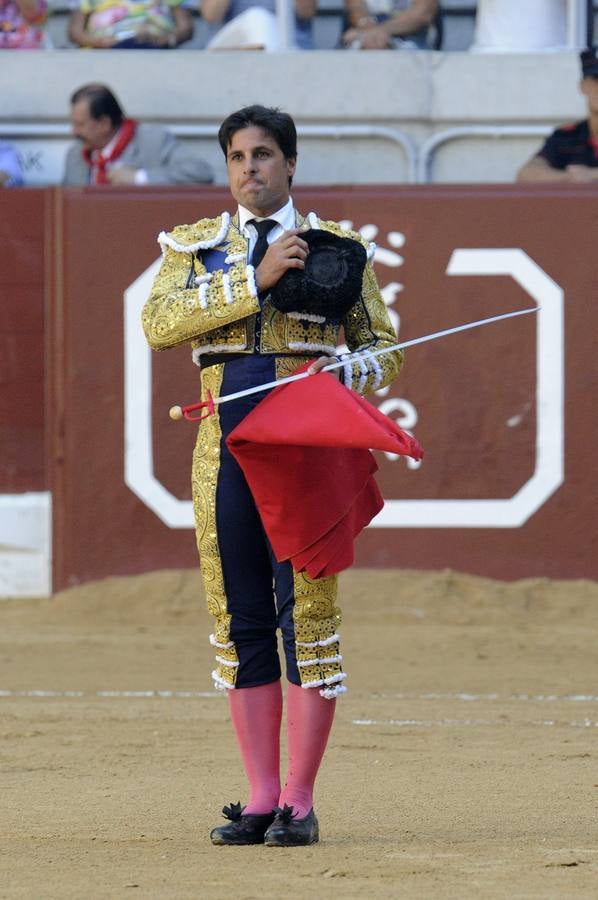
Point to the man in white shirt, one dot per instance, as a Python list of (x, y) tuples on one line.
[(513, 26)]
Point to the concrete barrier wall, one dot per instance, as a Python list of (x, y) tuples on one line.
[(424, 96)]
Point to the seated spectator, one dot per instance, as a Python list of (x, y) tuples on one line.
[(570, 154), (10, 167), (22, 24), (388, 24), (112, 149), (130, 24), (251, 25), (513, 26)]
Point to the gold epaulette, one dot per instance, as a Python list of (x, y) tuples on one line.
[(200, 235), (336, 228)]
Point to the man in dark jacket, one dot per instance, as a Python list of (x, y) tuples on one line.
[(570, 154)]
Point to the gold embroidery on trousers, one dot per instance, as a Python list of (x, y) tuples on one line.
[(206, 464), (317, 620)]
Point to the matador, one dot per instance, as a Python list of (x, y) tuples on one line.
[(215, 291)]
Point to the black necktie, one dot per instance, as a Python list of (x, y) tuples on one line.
[(262, 228)]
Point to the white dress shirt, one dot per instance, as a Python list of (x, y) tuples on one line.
[(285, 217)]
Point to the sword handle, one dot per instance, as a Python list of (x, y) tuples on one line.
[(184, 412)]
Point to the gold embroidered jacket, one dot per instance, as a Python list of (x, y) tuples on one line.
[(205, 294)]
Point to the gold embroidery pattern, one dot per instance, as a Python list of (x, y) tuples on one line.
[(234, 335), (279, 332), (238, 283), (321, 337), (367, 326), (241, 302), (173, 313), (317, 620), (203, 230), (206, 463), (236, 244), (273, 337), (288, 365), (335, 228)]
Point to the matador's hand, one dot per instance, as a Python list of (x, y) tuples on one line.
[(320, 363), (288, 252)]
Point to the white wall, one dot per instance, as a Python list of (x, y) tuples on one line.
[(25, 545)]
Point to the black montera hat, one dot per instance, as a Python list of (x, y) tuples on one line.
[(589, 62), (329, 284)]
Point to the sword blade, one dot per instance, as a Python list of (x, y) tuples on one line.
[(468, 325), (434, 336)]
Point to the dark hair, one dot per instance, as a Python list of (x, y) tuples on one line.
[(589, 62), (278, 124), (102, 102)]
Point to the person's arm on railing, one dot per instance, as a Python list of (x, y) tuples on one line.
[(377, 36), (213, 10), (79, 34), (305, 9), (538, 170), (32, 10)]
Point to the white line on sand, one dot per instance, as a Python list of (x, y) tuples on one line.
[(400, 723), (460, 696), (167, 695), (521, 698), (459, 723), (186, 695)]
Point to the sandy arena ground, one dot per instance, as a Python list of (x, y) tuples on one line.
[(462, 764)]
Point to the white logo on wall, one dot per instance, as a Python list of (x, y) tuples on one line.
[(508, 512)]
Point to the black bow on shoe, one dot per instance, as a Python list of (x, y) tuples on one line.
[(248, 828), (285, 815), (288, 831), (233, 812)]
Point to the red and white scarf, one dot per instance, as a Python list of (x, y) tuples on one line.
[(98, 161)]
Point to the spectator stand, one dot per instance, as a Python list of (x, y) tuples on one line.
[(457, 25), (41, 148), (58, 22), (444, 128)]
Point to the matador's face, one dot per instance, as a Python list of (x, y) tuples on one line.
[(258, 172)]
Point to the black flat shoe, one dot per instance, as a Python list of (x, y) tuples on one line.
[(288, 831), (243, 829)]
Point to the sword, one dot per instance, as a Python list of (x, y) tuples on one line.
[(178, 412)]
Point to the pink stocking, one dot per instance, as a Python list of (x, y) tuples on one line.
[(256, 713), (309, 719)]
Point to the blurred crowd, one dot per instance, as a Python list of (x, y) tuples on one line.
[(243, 24), (166, 24), (111, 148)]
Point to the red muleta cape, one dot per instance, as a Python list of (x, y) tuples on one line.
[(305, 452)]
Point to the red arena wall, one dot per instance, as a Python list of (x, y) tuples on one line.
[(504, 412), (22, 341)]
